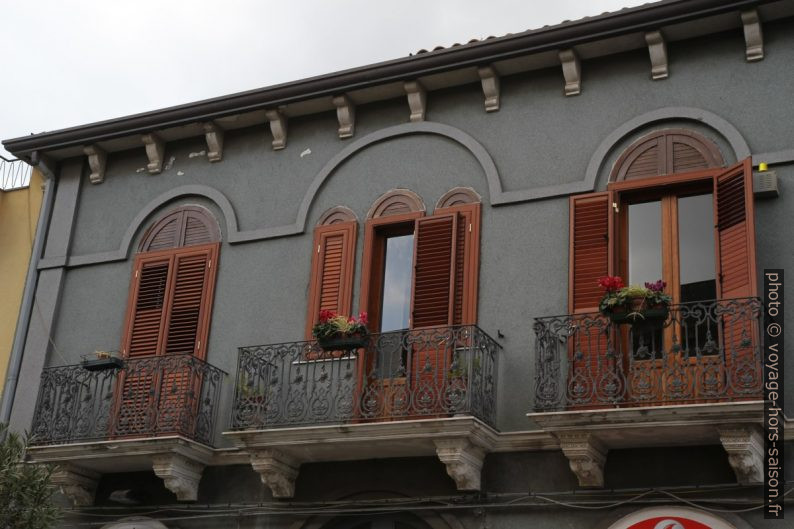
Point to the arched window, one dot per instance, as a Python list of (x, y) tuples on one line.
[(172, 286), (664, 152)]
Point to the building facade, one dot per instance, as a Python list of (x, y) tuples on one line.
[(20, 203), (468, 200)]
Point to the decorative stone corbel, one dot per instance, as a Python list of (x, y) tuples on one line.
[(417, 100), (214, 136), (277, 471), (745, 447), (753, 35), (97, 160), (278, 127), (463, 461), (572, 71), (490, 87), (586, 457), (346, 114), (657, 48), (77, 484), (180, 474), (155, 150)]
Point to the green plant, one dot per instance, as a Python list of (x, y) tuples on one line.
[(25, 489), (331, 324), (633, 298)]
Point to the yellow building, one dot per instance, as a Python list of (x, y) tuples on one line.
[(19, 213)]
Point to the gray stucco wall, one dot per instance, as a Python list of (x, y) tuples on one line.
[(538, 138)]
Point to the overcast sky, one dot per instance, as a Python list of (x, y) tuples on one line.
[(71, 62)]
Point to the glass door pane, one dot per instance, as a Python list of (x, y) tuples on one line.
[(645, 242), (697, 271), (397, 276)]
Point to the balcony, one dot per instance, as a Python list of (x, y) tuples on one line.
[(405, 393), (157, 411), (693, 378)]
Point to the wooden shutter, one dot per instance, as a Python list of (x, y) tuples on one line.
[(590, 250), (168, 313), (147, 306), (333, 260), (467, 262), (735, 232), (433, 297)]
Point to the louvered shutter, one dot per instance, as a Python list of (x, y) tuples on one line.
[(147, 306), (190, 300), (434, 271), (333, 259), (735, 236), (590, 250), (168, 313), (735, 232), (467, 262)]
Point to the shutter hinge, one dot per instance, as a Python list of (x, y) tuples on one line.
[(136, 273), (469, 227), (198, 345), (615, 207), (318, 248), (209, 264)]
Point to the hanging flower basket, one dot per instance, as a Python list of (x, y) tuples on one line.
[(340, 333), (342, 342), (635, 305), (101, 361)]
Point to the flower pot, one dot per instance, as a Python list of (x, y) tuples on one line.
[(342, 342), (637, 312), (101, 364)]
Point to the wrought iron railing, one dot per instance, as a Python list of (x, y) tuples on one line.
[(412, 374), (702, 352), (148, 397), (14, 174)]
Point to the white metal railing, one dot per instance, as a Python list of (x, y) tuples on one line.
[(14, 174)]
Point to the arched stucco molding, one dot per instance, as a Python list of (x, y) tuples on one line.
[(672, 512), (739, 146), (211, 194), (487, 164)]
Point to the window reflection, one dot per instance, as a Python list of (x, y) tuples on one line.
[(645, 242), (397, 275)]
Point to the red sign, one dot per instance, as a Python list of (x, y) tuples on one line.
[(669, 522)]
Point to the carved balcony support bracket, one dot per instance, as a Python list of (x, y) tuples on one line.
[(490, 87), (745, 446), (572, 71), (277, 471), (463, 461), (214, 136), (155, 151), (180, 474), (657, 48), (753, 35), (97, 160), (278, 127), (586, 456), (77, 484), (417, 100), (346, 114)]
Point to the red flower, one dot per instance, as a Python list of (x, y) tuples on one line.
[(611, 283), (362, 318), (326, 315)]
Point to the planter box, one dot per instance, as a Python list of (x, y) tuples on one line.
[(101, 364), (342, 343), (656, 314)]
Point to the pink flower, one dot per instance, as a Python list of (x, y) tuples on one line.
[(362, 318)]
